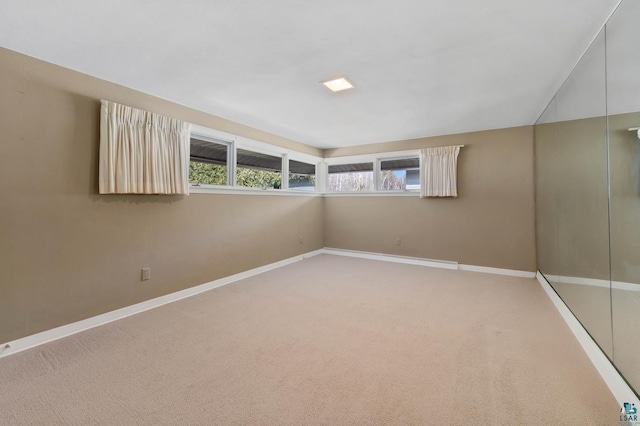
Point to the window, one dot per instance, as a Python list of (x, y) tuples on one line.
[(391, 172), (223, 159), (351, 177), (257, 170), (399, 174), (208, 162), (302, 176)]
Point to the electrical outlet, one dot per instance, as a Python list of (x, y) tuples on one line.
[(146, 274), (301, 239), (398, 241)]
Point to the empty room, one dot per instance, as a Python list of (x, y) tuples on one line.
[(319, 213)]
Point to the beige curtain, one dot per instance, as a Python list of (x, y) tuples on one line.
[(438, 171), (142, 152)]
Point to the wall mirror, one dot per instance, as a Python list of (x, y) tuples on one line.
[(623, 106), (588, 191)]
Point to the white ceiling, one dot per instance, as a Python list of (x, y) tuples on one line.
[(422, 67)]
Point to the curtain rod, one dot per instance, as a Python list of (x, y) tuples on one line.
[(635, 129)]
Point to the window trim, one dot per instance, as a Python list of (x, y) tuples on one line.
[(258, 151), (219, 141), (234, 143), (373, 177), (322, 168), (380, 159), (287, 160), (376, 158)]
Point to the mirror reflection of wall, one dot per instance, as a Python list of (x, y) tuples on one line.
[(572, 208), (588, 191), (623, 104)]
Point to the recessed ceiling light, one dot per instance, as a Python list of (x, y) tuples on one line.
[(338, 84)]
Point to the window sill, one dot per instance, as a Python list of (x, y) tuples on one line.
[(373, 194), (210, 189), (249, 191)]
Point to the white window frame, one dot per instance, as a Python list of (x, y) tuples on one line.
[(234, 143), (376, 159), (354, 159), (380, 159), (260, 150), (230, 156), (317, 163)]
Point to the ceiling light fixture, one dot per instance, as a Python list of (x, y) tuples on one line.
[(338, 84)]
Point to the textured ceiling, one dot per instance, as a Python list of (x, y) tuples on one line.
[(422, 67)]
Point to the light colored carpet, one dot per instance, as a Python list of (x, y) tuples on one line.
[(328, 340)]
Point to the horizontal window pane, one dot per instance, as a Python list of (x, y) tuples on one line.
[(400, 164), (257, 170), (258, 160), (400, 174), (302, 176), (353, 167), (208, 152), (351, 177), (208, 162)]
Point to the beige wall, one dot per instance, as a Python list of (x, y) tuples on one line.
[(571, 198), (491, 223), (624, 154), (577, 223), (67, 253)]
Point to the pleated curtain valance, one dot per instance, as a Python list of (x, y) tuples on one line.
[(439, 171), (142, 152)]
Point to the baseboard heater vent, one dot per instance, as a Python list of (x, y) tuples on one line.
[(393, 258)]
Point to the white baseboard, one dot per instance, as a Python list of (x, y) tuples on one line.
[(618, 387), (427, 262), (392, 258), (618, 285), (498, 271), (47, 336)]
